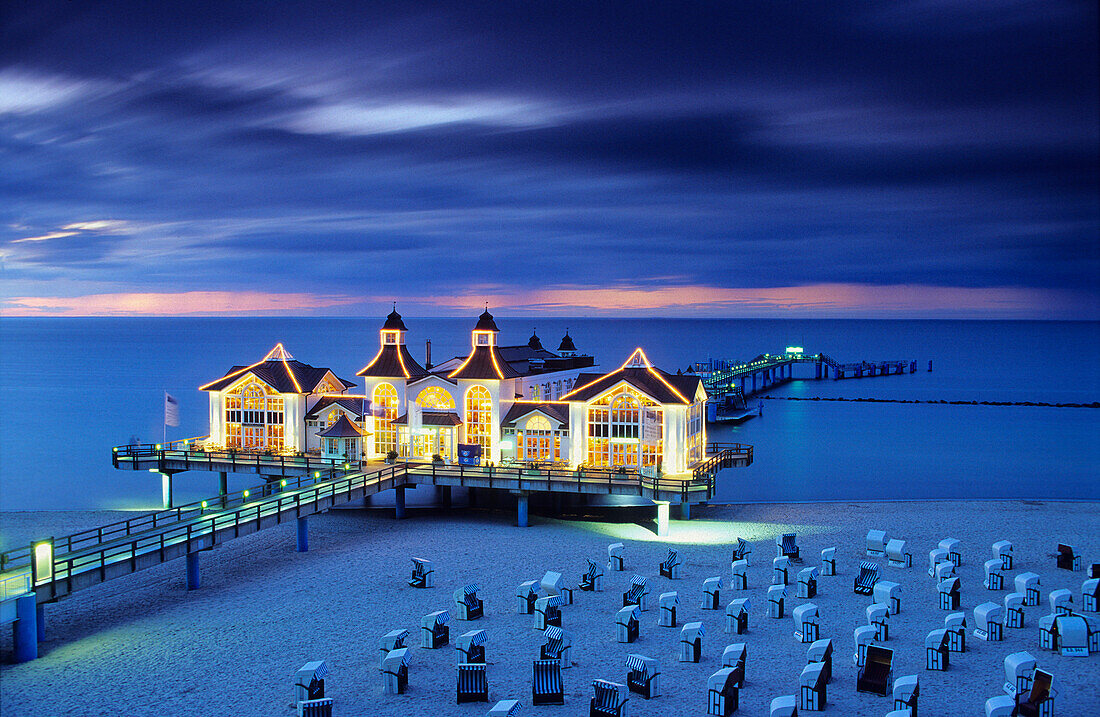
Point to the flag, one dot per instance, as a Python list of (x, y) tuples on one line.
[(171, 410)]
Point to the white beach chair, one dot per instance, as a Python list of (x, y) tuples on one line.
[(897, 556), (643, 676), (742, 551), (1048, 632), (712, 588), (735, 656), (785, 706), (828, 561), (994, 577), (807, 583), (1073, 635), (636, 594), (1000, 706), (863, 636), (395, 671), (670, 567), (1019, 672), (900, 713), (526, 595), (776, 595), (1014, 610), (950, 594), (888, 593), (878, 617), (615, 556), (1090, 595), (547, 612), (876, 543), (1061, 601), (691, 642), (667, 604), (423, 574), (592, 578), (780, 566), (722, 693), (554, 584), (470, 646), (504, 708), (807, 623), (935, 557), (955, 624), (390, 642), (812, 687), (309, 681), (944, 571), (905, 693), (740, 575), (1028, 584), (434, 632), (737, 616), (989, 622), (558, 646), (822, 651), (1002, 550), (937, 652), (626, 624), (954, 550)]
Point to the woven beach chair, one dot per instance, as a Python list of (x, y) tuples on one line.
[(395, 671), (547, 612), (828, 561), (868, 575), (737, 616), (806, 623), (722, 693), (897, 556), (874, 676), (735, 656), (691, 642), (558, 646), (822, 651), (712, 588), (471, 646), (626, 624), (955, 624), (390, 642), (807, 583), (786, 546), (989, 622), (888, 593), (812, 683), (670, 567), (636, 594), (592, 577), (434, 632), (876, 543), (473, 684), (615, 556), (906, 691), (470, 607), (526, 595), (643, 676), (742, 550), (608, 699), (422, 573), (1002, 550), (1068, 558), (667, 603)]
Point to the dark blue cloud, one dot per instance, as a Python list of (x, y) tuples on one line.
[(726, 144)]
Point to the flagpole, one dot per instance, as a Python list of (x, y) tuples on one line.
[(164, 437)]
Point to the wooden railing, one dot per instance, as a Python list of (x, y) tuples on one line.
[(190, 456)]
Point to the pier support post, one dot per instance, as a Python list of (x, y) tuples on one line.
[(303, 534), (193, 571), (754, 381), (166, 489), (685, 511), (25, 628), (662, 518), (40, 621), (399, 502), (223, 486), (521, 509), (443, 495)]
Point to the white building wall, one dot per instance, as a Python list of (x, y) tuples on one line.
[(217, 418)]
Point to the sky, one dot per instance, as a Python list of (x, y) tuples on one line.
[(903, 159)]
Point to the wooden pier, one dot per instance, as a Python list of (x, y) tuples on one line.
[(768, 371)]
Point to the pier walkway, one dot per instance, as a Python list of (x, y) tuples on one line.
[(770, 370), (294, 489)]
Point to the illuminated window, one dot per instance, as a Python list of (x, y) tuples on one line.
[(479, 416), (435, 398), (254, 417), (385, 433), (696, 435), (326, 387), (615, 431), (538, 442)]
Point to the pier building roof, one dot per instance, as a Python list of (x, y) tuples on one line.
[(343, 428), (358, 405), (393, 359), (659, 385), (432, 418), (282, 372), (556, 411)]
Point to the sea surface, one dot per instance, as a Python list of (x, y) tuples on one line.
[(70, 389)]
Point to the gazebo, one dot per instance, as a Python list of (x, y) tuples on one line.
[(342, 439)]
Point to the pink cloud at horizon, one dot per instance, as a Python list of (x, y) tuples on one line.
[(820, 300)]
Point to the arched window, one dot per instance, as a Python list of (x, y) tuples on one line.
[(253, 417), (537, 442), (435, 398), (333, 417), (385, 407), (479, 416)]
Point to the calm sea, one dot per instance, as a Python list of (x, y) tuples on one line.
[(72, 388)]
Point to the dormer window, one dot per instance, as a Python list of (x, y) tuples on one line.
[(483, 339)]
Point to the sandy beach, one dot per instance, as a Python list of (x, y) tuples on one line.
[(143, 645)]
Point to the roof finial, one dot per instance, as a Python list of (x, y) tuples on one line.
[(395, 306)]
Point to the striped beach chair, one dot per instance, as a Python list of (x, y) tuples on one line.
[(558, 646), (547, 612), (608, 699), (315, 708), (643, 676), (390, 642), (471, 646), (670, 567), (470, 607), (592, 577), (786, 546), (473, 684), (742, 550), (309, 682), (868, 576), (422, 573), (434, 632), (636, 594), (546, 684)]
